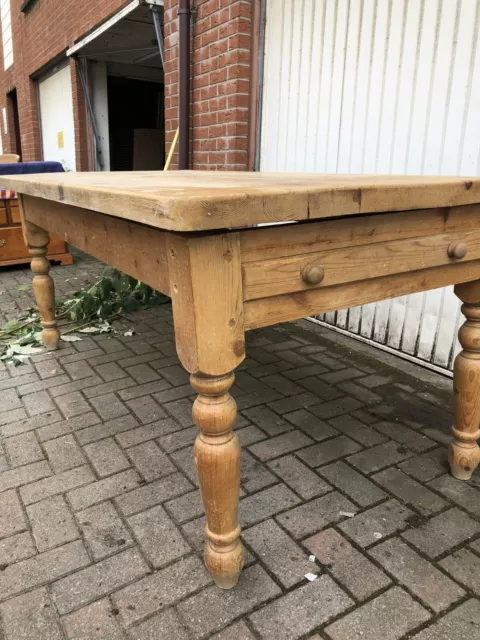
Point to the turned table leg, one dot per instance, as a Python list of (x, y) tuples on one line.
[(464, 453), (217, 457), (43, 288)]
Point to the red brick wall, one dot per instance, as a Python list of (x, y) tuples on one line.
[(44, 32), (220, 58)]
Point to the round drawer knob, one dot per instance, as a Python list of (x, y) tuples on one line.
[(313, 274), (457, 250)]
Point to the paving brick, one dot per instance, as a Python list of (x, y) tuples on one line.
[(42, 568), (422, 579), (239, 631), (213, 608), (37, 403), (16, 548), (460, 624), (108, 406), (178, 440), (23, 475), (154, 493), (106, 457), (110, 371), (52, 523), (181, 410), (23, 449), (351, 568), (146, 432), (28, 424), (96, 492), (427, 466), (109, 428), (293, 403), (300, 611), (164, 625), (311, 425), (387, 617), (323, 452), (315, 515), (103, 530), (64, 427), (104, 577), (60, 483), (267, 420), (379, 457), (161, 589), (150, 461), (72, 404), (280, 445), (357, 487), (300, 478), (249, 435), (10, 400), (254, 475), (442, 532), (306, 371), (384, 519), (357, 430), (30, 617), (93, 622), (186, 507), (158, 537), (415, 441), (410, 491), (281, 555), (64, 453), (108, 387), (156, 387), (266, 503), (146, 409), (78, 370), (12, 519), (460, 492), (14, 415), (338, 407), (464, 567), (362, 394)]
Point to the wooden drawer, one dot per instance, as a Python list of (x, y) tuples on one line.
[(13, 249), (14, 212), (3, 213), (266, 278)]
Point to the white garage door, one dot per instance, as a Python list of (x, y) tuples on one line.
[(377, 86), (56, 115)]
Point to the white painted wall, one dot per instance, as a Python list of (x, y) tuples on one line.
[(377, 86), (56, 114)]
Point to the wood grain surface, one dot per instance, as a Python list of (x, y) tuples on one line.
[(202, 200)]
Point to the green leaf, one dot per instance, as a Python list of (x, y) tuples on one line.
[(24, 288)]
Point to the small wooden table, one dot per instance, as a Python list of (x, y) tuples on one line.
[(192, 235)]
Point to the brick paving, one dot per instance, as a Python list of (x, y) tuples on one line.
[(343, 459)]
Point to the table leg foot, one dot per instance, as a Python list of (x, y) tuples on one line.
[(463, 452), (217, 457)]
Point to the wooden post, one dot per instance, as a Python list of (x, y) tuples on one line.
[(206, 288), (464, 453), (37, 241)]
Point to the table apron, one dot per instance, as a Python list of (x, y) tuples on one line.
[(136, 249)]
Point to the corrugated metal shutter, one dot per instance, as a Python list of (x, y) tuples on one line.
[(377, 86)]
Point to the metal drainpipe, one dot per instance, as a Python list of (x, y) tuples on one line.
[(184, 83)]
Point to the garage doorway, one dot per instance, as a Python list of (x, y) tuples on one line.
[(136, 133), (123, 76)]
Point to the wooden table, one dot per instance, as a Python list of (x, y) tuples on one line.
[(192, 235)]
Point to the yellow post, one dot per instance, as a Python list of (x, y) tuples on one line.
[(172, 149)]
